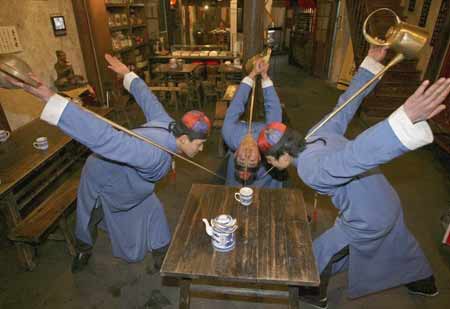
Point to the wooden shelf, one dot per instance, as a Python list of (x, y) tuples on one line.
[(97, 13), (139, 26), (140, 45), (116, 28), (123, 50), (137, 5), (116, 5)]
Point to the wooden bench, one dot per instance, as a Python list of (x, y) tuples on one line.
[(53, 210)]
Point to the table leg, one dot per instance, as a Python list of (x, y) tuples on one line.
[(185, 297), (9, 207), (68, 236), (293, 297)]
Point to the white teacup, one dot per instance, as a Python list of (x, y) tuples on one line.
[(41, 143), (244, 196), (4, 135)]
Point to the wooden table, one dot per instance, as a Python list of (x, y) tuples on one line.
[(19, 164), (230, 73), (186, 68), (273, 244)]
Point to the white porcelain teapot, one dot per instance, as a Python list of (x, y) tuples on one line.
[(222, 230)]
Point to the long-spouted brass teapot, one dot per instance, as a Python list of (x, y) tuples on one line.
[(402, 37)]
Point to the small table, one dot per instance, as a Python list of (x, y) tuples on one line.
[(273, 244)]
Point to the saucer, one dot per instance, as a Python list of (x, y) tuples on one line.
[(41, 147)]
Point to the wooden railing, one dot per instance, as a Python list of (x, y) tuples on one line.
[(357, 13)]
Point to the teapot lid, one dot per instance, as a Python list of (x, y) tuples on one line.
[(223, 219)]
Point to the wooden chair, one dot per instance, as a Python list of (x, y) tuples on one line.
[(210, 94), (219, 116), (212, 73), (120, 105)]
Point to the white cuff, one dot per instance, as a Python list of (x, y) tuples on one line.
[(127, 79), (267, 83), (53, 109), (411, 135), (372, 65), (247, 80)]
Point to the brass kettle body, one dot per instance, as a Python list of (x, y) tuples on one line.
[(402, 37), (265, 54), (17, 68)]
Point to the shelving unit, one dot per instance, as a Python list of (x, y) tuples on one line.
[(117, 27)]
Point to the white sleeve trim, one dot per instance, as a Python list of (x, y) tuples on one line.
[(411, 135), (127, 79), (267, 83), (372, 65), (53, 109), (249, 81)]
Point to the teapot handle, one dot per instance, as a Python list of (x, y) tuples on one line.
[(368, 37)]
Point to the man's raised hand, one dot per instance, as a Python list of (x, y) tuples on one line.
[(426, 102)]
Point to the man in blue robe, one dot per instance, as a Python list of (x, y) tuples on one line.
[(369, 237), (234, 131), (118, 180)]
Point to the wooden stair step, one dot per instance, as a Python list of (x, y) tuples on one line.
[(443, 141), (47, 213), (379, 114), (408, 77), (386, 88), (381, 99), (405, 66)]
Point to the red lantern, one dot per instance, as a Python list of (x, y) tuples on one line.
[(307, 4), (173, 4)]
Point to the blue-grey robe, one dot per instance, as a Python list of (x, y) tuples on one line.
[(383, 253), (121, 175), (234, 130)]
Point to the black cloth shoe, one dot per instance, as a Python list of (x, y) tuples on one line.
[(315, 302), (80, 261), (424, 287), (158, 256), (312, 296)]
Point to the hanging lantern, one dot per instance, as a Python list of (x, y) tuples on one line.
[(173, 4), (307, 4)]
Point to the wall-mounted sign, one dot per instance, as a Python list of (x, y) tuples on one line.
[(59, 25), (9, 40)]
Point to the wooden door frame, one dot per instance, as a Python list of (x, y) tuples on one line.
[(4, 124), (439, 51), (329, 41)]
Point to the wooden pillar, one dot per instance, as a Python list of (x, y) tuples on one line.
[(254, 44), (4, 124), (233, 26), (441, 46), (192, 20), (253, 27)]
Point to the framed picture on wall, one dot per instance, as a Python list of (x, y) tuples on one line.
[(59, 25)]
